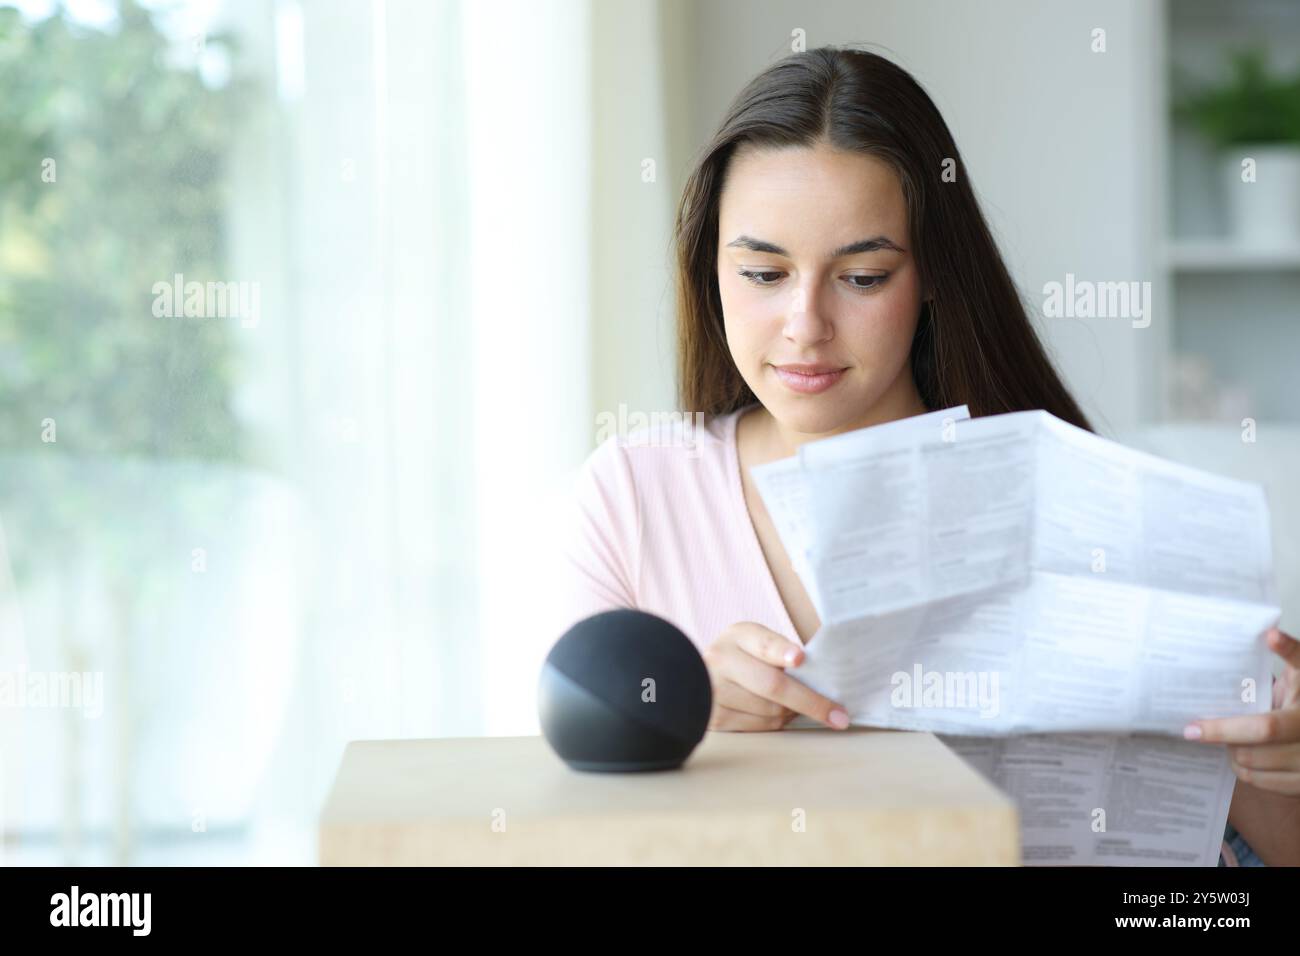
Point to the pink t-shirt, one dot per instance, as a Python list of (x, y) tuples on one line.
[(661, 525)]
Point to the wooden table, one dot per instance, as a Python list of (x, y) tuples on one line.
[(794, 797)]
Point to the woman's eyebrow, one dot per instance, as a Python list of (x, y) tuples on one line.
[(873, 244)]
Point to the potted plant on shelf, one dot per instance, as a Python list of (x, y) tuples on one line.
[(1253, 120)]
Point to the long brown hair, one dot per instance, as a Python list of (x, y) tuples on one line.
[(974, 343)]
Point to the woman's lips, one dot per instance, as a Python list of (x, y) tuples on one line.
[(808, 379)]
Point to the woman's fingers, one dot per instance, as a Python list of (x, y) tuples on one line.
[(770, 682), (1267, 756), (751, 689), (1274, 726), (731, 695), (1285, 782), (768, 646), (1284, 646), (724, 718), (1286, 692)]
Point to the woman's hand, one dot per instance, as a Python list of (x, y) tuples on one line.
[(1265, 748), (751, 690)]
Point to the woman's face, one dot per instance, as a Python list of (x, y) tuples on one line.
[(820, 295)]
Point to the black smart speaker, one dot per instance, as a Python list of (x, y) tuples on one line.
[(624, 691)]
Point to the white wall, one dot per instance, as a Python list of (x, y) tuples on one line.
[(634, 109)]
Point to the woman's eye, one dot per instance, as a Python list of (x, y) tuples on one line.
[(767, 277), (870, 282), (754, 277)]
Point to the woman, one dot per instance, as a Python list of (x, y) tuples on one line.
[(834, 272)]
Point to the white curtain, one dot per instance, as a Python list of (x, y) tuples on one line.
[(411, 186), (437, 208)]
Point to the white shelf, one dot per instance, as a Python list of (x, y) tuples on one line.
[(1223, 255)]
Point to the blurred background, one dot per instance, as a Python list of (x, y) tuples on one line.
[(291, 511)]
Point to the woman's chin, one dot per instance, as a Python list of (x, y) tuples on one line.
[(814, 414)]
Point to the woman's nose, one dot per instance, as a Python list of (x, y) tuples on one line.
[(804, 322)]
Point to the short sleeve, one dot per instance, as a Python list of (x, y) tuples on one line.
[(601, 536)]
